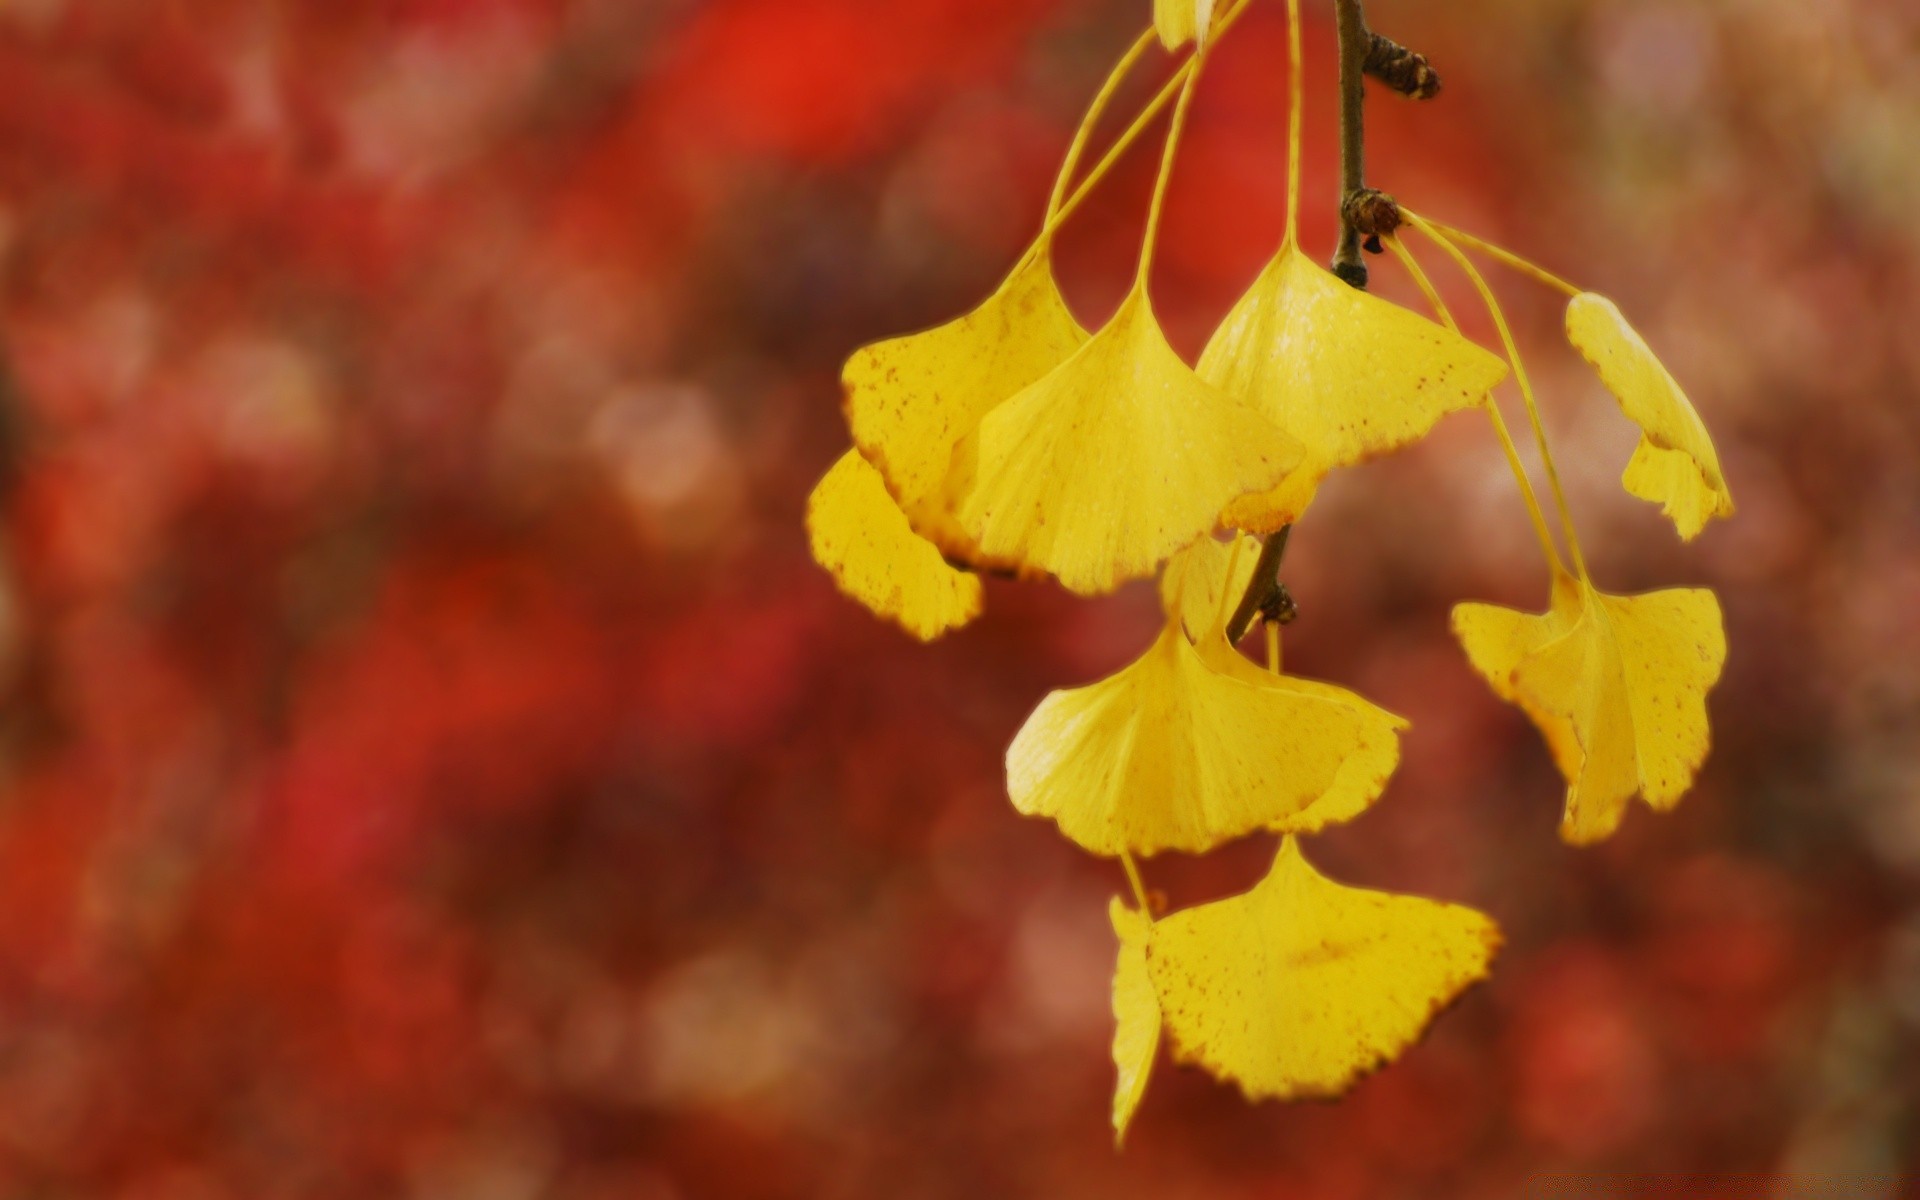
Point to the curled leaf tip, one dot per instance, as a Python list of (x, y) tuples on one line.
[(1674, 465)]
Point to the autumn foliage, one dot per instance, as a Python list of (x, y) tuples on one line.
[(434, 765)]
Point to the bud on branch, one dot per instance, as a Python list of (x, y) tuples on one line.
[(1401, 69)]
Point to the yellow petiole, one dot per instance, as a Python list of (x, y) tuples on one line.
[(1532, 498), (1520, 376)]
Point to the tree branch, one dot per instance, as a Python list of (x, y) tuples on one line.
[(1355, 44), (1264, 591), (1363, 213)]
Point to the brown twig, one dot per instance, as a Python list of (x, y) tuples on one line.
[(1363, 213), (1264, 590), (1354, 43)]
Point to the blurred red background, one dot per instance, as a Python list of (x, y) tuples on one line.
[(430, 764)]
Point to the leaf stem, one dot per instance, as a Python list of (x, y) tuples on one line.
[(1154, 107), (1296, 110), (1101, 100), (1520, 377), (1405, 254), (1500, 254), (1167, 155), (1139, 885)]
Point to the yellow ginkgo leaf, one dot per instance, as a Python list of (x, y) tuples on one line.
[(1348, 374), (1193, 580), (1617, 686), (1111, 462), (1181, 21), (910, 400), (860, 535), (1371, 759), (1173, 754), (1136, 1016), (1674, 465), (1302, 985)]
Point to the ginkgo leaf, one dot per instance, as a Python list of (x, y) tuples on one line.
[(1136, 1016), (1346, 373), (859, 534), (1181, 21), (911, 399), (1371, 760), (1193, 580), (1617, 686), (1301, 985), (1111, 462), (1174, 754), (1674, 465)]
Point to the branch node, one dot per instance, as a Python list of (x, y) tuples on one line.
[(1371, 213), (1277, 606), (1401, 69)]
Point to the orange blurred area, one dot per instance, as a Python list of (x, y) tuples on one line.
[(432, 766)]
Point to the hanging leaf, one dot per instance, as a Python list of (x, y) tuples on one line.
[(1346, 373), (1674, 465), (1301, 985), (1111, 462), (1616, 684), (1174, 754), (910, 400), (860, 535)]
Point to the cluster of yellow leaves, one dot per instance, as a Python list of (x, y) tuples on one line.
[(1617, 685), (1301, 985), (1013, 441)]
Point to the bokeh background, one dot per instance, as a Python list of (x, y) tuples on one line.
[(430, 765)]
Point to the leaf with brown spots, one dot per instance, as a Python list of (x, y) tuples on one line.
[(1120, 456), (910, 400), (1187, 749), (1302, 985), (1346, 373), (1616, 684)]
